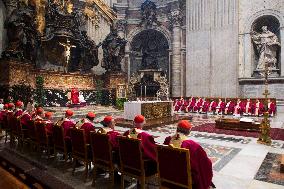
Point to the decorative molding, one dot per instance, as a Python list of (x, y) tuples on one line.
[(175, 18), (102, 8)]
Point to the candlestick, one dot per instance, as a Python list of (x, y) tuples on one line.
[(145, 92), (141, 92)]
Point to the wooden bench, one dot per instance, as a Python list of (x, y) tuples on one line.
[(282, 164)]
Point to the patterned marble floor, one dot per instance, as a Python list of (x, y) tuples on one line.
[(238, 162)]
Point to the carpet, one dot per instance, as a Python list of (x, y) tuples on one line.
[(275, 133)]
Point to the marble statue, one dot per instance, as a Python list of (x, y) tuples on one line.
[(113, 51), (267, 45)]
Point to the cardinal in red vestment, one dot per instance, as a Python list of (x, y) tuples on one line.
[(247, 107), (238, 108), (88, 125), (204, 106), (19, 108), (258, 108), (190, 105), (48, 122), (74, 96), (39, 114), (109, 129), (67, 123), (220, 108), (201, 165), (212, 106), (197, 105), (147, 141), (229, 109), (271, 107)]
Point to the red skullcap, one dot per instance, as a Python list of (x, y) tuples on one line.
[(107, 119), (184, 124), (6, 106), (91, 115), (69, 113), (139, 119), (39, 111), (19, 103), (48, 114), (11, 105)]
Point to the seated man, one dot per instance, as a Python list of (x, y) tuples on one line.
[(220, 108), (39, 114), (19, 108), (238, 108), (108, 129), (147, 140), (48, 122), (229, 109), (258, 108), (201, 165), (212, 107), (88, 125), (190, 105), (271, 107), (67, 123), (247, 108), (204, 106), (197, 105)]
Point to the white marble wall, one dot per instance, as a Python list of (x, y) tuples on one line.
[(212, 48), (2, 30)]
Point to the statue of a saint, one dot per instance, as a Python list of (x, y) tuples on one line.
[(67, 47), (267, 45), (113, 51)]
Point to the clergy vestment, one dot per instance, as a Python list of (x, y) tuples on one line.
[(271, 108), (201, 165), (87, 126), (147, 142)]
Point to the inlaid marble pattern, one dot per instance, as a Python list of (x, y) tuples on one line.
[(269, 170)]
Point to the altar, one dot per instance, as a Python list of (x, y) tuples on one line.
[(149, 109)]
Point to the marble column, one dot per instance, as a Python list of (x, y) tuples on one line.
[(247, 55), (175, 21), (282, 51)]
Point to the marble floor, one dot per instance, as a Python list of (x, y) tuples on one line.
[(238, 162)]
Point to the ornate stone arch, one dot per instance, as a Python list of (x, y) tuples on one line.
[(248, 61), (137, 30)]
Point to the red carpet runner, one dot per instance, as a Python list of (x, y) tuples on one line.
[(276, 134)]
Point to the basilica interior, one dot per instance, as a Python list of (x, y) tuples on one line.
[(142, 94)]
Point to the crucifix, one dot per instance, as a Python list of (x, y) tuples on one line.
[(67, 48)]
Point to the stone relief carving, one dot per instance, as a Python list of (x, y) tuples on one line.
[(163, 92), (149, 14), (267, 44), (21, 33), (175, 18)]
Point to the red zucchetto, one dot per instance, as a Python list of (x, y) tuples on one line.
[(39, 111), (139, 119), (69, 113), (11, 105), (185, 124), (91, 115), (48, 115), (107, 119), (19, 104)]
